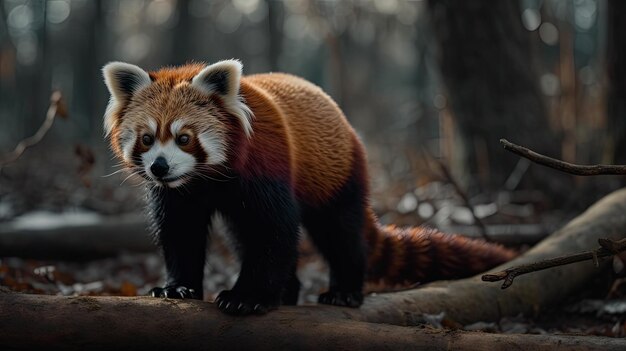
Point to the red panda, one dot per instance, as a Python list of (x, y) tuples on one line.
[(270, 153)]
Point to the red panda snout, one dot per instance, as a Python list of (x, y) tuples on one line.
[(167, 164), (159, 167)]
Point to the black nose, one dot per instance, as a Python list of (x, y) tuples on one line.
[(159, 167)]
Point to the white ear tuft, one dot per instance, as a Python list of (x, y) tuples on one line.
[(223, 78), (123, 80)]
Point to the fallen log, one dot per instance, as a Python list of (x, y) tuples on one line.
[(74, 240), (109, 323), (63, 238), (40, 320), (470, 300)]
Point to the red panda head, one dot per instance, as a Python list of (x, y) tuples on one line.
[(176, 123)]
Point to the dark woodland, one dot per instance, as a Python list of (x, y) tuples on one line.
[(430, 86)]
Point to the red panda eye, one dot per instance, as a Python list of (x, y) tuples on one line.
[(147, 140), (182, 139)]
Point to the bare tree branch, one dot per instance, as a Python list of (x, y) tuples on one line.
[(57, 107), (446, 173), (582, 170), (608, 248)]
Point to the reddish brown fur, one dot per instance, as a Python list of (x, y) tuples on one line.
[(325, 150), (405, 256), (301, 136), (296, 116)]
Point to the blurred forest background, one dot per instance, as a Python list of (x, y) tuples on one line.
[(420, 81), (431, 86)]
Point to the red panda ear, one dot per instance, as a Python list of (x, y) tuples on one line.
[(220, 78), (123, 80), (223, 78)]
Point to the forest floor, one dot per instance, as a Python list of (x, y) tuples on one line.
[(600, 309)]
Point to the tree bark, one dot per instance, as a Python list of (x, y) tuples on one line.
[(275, 23), (485, 60), (31, 321), (616, 76), (108, 323)]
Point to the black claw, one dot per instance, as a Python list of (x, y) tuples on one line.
[(231, 303), (175, 292), (156, 292), (185, 293)]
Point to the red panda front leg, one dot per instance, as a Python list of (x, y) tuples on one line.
[(265, 226), (180, 224)]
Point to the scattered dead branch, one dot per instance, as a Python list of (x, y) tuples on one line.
[(607, 248), (582, 170), (57, 108), (446, 173)]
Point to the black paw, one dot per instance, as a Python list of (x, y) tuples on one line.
[(230, 302), (175, 292), (338, 298)]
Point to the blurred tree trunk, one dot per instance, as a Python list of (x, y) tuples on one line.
[(7, 80), (616, 72), (275, 19), (183, 36), (90, 95), (484, 55), (99, 95)]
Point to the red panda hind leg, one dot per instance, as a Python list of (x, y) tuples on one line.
[(336, 228)]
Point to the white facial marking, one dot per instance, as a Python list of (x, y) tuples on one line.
[(214, 146), (152, 124), (176, 126), (109, 120), (179, 162), (175, 183), (127, 143)]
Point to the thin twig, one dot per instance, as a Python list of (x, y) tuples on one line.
[(464, 197), (56, 108), (582, 170), (607, 248)]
